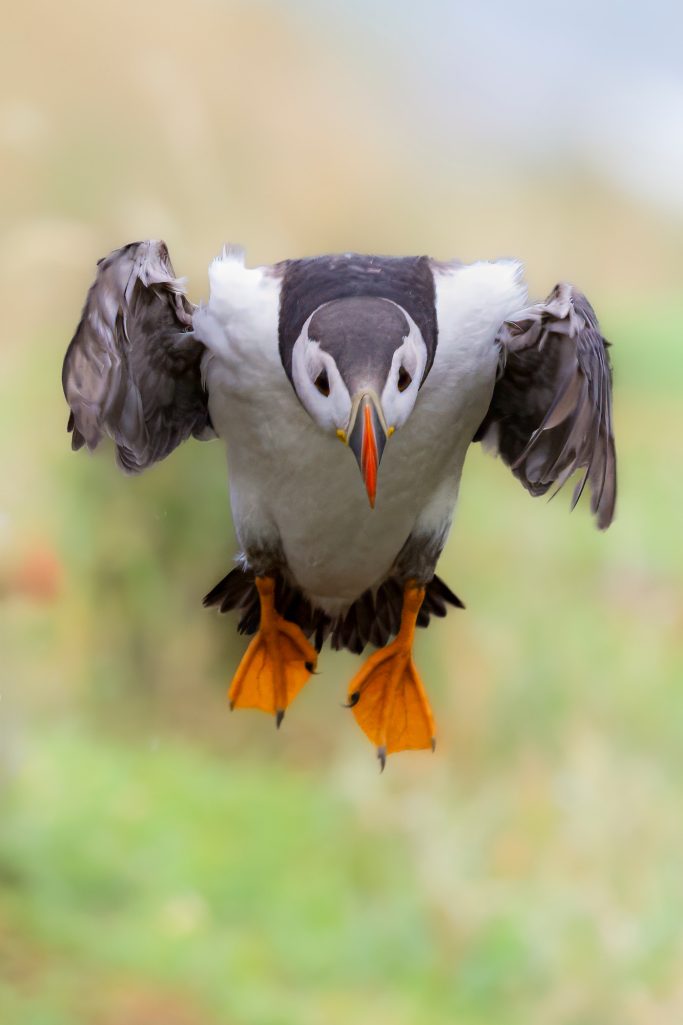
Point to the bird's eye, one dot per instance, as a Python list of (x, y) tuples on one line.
[(322, 383), (404, 379)]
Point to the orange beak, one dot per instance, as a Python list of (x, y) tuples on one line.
[(367, 439)]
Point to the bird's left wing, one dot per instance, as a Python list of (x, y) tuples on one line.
[(132, 370), (551, 410)]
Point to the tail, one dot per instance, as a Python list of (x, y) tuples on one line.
[(370, 620)]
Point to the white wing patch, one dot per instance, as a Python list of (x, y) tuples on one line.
[(473, 300), (241, 317)]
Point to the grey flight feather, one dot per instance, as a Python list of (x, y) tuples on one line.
[(132, 370), (551, 410)]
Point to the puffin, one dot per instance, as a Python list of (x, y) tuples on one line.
[(347, 390)]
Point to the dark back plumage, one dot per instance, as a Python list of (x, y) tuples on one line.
[(308, 283)]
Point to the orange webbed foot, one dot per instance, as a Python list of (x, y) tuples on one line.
[(277, 663), (387, 696)]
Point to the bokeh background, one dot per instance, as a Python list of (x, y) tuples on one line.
[(165, 863)]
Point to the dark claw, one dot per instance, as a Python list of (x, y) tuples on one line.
[(232, 706), (433, 743), (353, 699), (279, 716), (310, 666), (382, 756)]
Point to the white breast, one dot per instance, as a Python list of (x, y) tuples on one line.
[(292, 483)]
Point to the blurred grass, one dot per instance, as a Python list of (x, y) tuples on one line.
[(165, 863), (162, 861)]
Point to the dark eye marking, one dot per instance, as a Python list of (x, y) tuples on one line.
[(322, 383), (404, 379)]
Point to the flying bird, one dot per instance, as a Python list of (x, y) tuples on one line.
[(347, 389)]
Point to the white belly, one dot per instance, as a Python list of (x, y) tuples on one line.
[(295, 487), (292, 483)]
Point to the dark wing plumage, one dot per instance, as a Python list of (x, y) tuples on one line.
[(132, 370), (551, 410)]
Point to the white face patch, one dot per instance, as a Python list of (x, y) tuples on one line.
[(403, 383), (315, 372), (310, 364)]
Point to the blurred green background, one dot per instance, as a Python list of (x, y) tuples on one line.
[(165, 863)]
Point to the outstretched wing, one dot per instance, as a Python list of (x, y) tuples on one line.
[(551, 410), (132, 370)]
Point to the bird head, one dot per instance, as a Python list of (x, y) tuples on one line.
[(357, 367)]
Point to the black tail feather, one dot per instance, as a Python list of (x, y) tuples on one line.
[(232, 591), (439, 589), (370, 620)]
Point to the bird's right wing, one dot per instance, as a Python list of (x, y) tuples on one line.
[(132, 370)]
